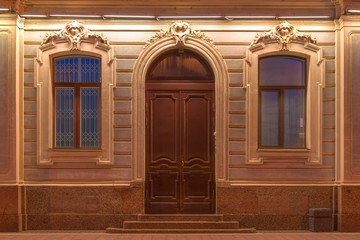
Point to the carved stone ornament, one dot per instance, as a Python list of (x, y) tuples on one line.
[(180, 31), (284, 33), (74, 32)]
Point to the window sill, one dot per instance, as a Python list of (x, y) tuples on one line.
[(288, 155), (286, 150), (75, 155)]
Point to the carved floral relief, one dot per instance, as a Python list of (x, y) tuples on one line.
[(74, 32), (180, 31), (284, 33)]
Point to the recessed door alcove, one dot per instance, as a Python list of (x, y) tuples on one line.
[(180, 125)]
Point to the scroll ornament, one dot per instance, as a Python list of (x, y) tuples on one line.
[(74, 32), (180, 31), (284, 33)]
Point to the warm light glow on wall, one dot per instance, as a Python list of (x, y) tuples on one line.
[(77, 16)]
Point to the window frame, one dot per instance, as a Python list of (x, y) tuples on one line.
[(46, 153), (312, 154), (280, 89), (77, 103)]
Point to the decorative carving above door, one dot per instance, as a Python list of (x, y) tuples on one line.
[(180, 31)]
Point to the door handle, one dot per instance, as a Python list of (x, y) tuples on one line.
[(182, 163)]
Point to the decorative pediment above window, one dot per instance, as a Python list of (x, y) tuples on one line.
[(180, 31), (283, 33), (74, 32)]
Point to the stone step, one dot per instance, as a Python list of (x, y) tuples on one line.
[(180, 217), (122, 230), (180, 225)]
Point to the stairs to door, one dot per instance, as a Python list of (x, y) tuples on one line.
[(180, 223)]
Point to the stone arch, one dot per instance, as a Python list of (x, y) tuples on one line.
[(218, 65)]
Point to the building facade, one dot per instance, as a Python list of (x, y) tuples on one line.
[(107, 118)]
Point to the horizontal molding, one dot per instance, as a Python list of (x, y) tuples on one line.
[(123, 85), (122, 139), (121, 126), (29, 113), (33, 42), (29, 56), (28, 85), (235, 71), (236, 126), (124, 70), (28, 70), (76, 182), (330, 85), (285, 180), (328, 113), (237, 112), (328, 127), (328, 140), (75, 166), (328, 153), (236, 85), (122, 98), (30, 99), (127, 43), (330, 71), (329, 57), (122, 112), (233, 43), (326, 44), (234, 57), (29, 127), (237, 153), (280, 166), (126, 56), (328, 99), (237, 139), (122, 153), (237, 99), (29, 140), (29, 153)]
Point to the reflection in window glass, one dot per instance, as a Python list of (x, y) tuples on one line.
[(282, 71), (282, 92), (180, 66), (294, 118), (269, 118)]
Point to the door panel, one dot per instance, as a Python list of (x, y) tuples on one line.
[(197, 149), (162, 151), (180, 146)]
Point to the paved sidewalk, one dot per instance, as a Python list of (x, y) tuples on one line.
[(251, 236)]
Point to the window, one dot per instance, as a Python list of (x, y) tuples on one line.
[(76, 91), (282, 99)]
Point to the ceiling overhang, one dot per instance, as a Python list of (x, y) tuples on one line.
[(331, 8)]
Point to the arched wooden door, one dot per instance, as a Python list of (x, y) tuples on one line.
[(180, 135)]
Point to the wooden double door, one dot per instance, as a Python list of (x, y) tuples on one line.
[(180, 151)]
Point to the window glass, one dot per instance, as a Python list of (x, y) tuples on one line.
[(177, 65), (65, 112), (77, 69), (90, 122), (269, 118), (77, 91), (282, 99), (294, 118), (282, 71)]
